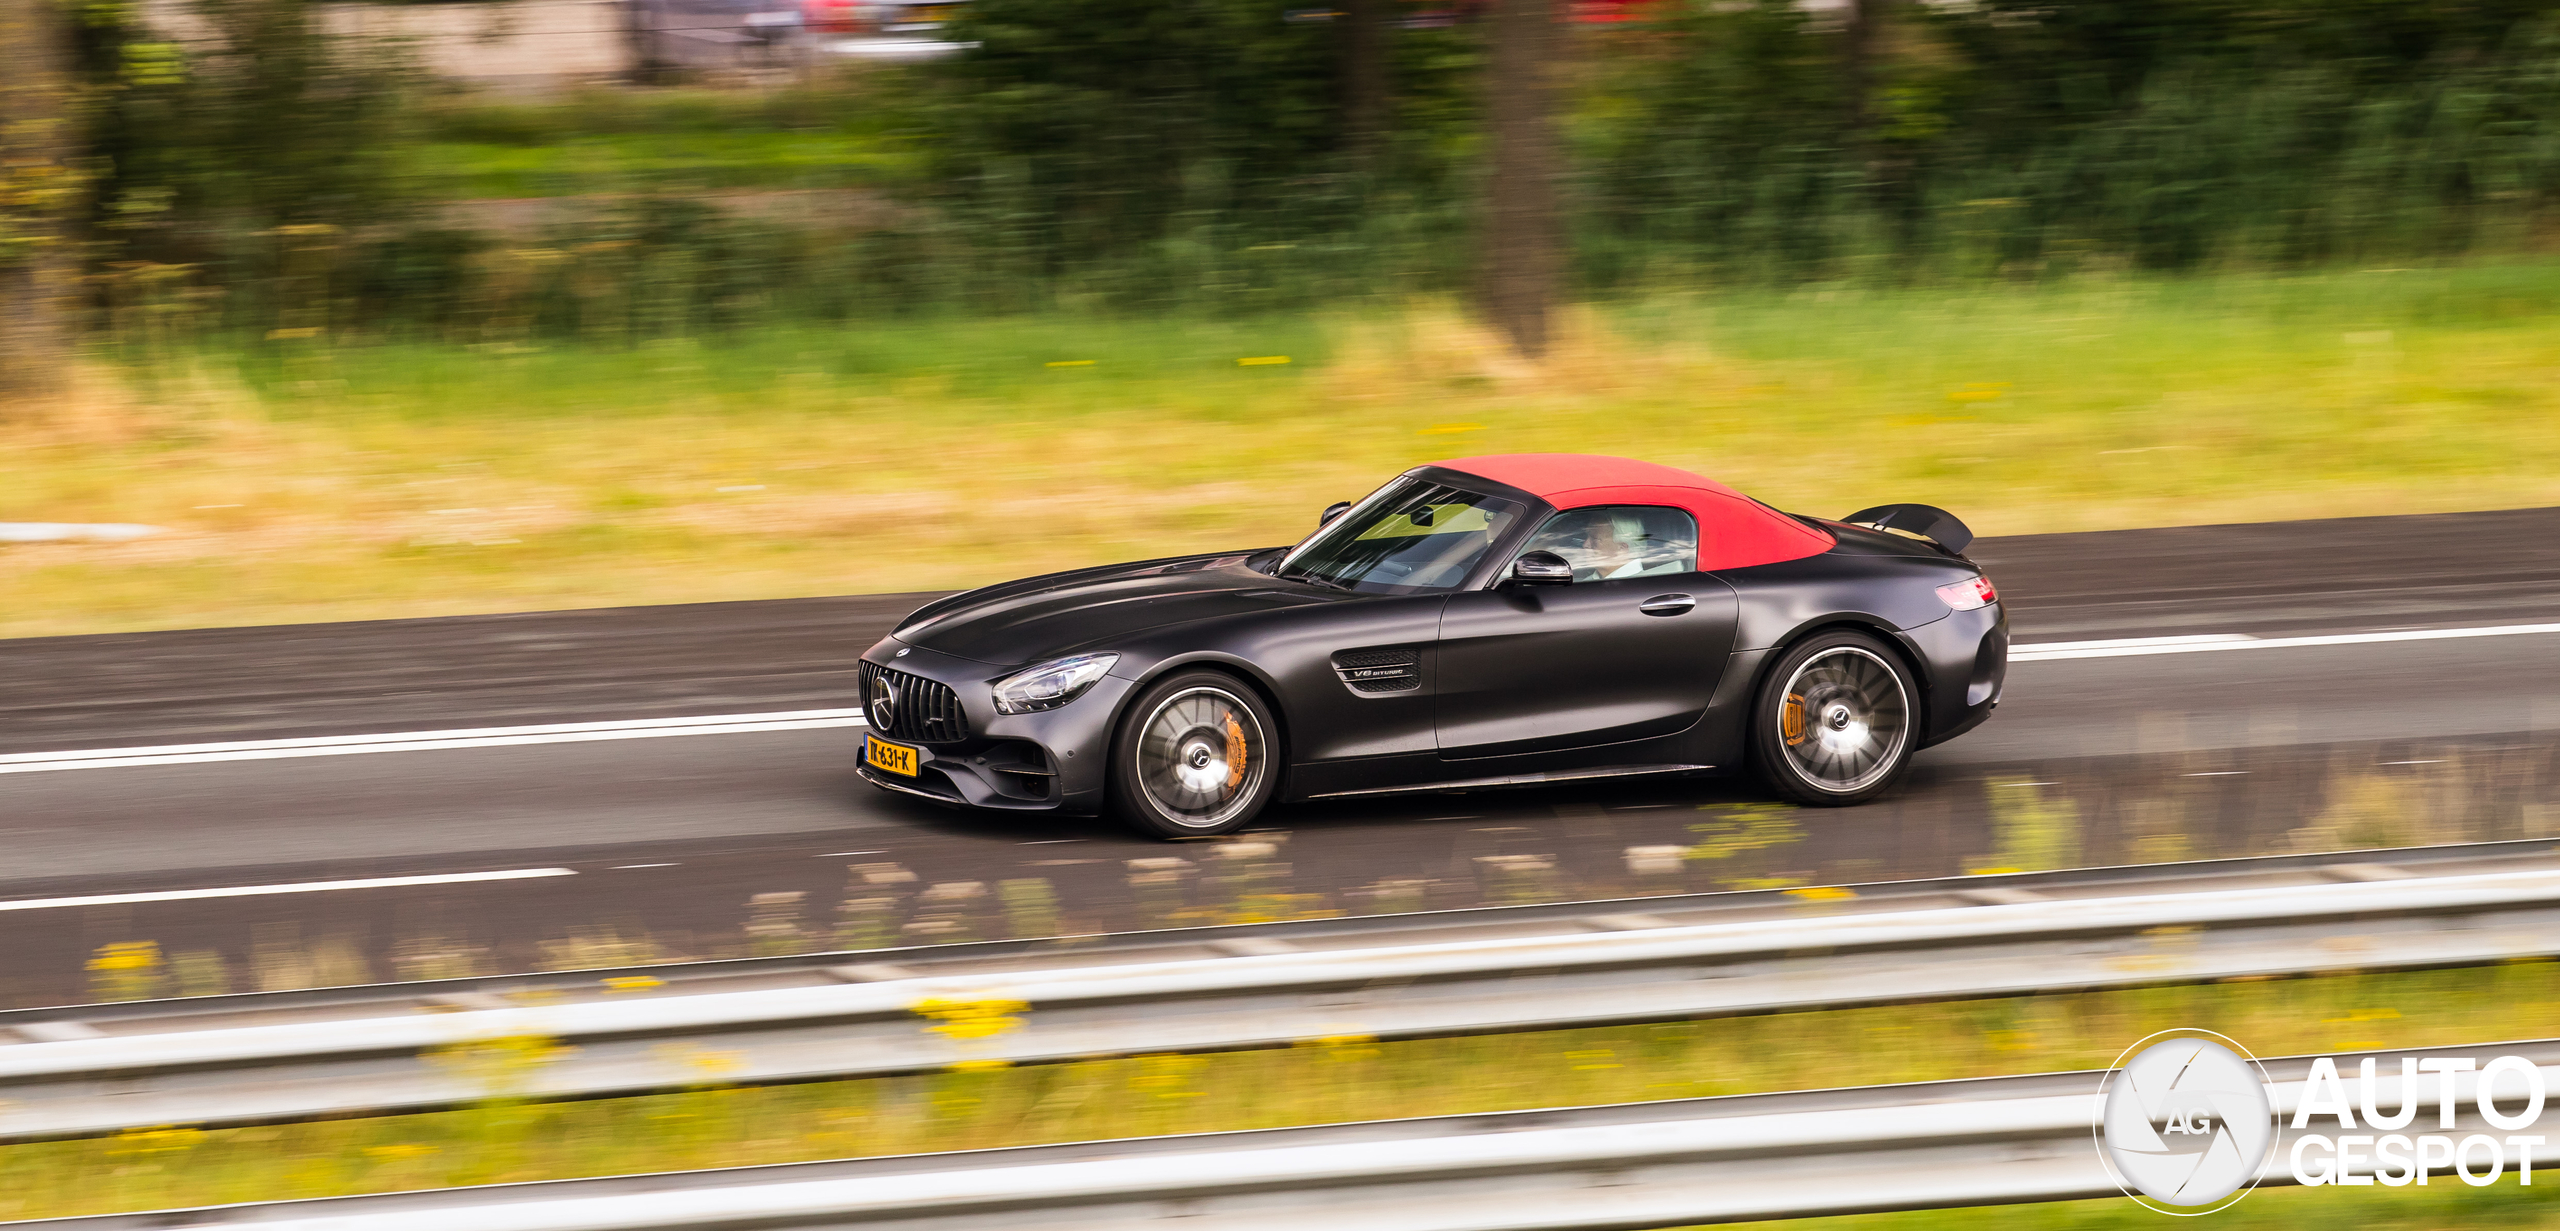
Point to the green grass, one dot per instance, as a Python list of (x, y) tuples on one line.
[(1331, 1080), (2442, 1204), (694, 162), (379, 478), (662, 141)]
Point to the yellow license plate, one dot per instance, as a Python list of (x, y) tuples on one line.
[(895, 758)]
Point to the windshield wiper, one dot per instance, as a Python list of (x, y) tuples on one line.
[(1313, 578)]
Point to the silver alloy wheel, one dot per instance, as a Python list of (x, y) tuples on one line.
[(1200, 756), (1843, 720)]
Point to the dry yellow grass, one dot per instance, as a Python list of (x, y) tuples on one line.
[(397, 480)]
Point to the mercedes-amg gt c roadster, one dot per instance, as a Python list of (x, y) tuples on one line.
[(1484, 622)]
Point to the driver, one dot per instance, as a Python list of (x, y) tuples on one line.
[(1606, 544), (1607, 552), (1591, 541)]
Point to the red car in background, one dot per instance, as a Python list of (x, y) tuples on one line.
[(1611, 12), (895, 18), (1442, 14)]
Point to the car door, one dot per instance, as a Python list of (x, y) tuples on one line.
[(1625, 652)]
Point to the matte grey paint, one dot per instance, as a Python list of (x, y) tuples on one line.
[(1511, 680)]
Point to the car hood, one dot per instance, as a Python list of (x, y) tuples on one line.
[(1066, 613)]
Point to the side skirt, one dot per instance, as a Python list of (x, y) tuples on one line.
[(1537, 779)]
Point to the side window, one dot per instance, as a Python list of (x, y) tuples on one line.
[(1624, 540)]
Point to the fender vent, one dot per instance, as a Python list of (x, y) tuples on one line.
[(1371, 672)]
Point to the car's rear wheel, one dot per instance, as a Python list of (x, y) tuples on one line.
[(1836, 722), (1193, 755)]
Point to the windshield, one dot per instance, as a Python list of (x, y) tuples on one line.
[(1412, 534)]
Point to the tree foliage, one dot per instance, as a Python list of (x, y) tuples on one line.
[(1132, 147), (205, 150), (1212, 155), (2010, 134)]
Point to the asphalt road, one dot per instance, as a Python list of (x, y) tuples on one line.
[(672, 841)]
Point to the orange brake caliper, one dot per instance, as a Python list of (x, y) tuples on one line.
[(1791, 719), (1235, 753)]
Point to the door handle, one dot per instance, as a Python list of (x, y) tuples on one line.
[(1666, 604)]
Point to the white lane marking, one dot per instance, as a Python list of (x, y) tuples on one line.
[(2134, 643), (426, 741), (803, 720), (2137, 646), (251, 891), (318, 741)]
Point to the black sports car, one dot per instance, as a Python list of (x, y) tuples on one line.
[(1485, 622)]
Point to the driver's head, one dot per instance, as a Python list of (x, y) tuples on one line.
[(1601, 538)]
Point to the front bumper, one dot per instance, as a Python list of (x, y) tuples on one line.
[(1052, 761)]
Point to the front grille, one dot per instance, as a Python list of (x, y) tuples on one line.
[(1379, 671), (916, 708)]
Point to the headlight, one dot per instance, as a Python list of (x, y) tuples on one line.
[(1051, 684)]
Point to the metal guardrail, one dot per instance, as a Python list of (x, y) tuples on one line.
[(1928, 1145), (1252, 989)]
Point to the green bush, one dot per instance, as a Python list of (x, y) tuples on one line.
[(1132, 152), (1140, 156), (2010, 137)]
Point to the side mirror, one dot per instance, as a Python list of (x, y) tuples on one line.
[(1331, 511), (1542, 568)]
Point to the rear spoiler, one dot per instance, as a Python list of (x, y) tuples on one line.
[(1919, 521)]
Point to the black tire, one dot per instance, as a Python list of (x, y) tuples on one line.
[(1836, 720), (1195, 754)]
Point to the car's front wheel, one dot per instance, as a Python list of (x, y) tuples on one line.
[(1193, 755), (1836, 722)]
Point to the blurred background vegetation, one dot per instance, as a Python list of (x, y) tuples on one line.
[(367, 337), (1203, 156)]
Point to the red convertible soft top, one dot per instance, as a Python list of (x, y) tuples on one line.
[(1734, 531)]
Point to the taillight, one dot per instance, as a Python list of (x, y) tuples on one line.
[(1968, 594)]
